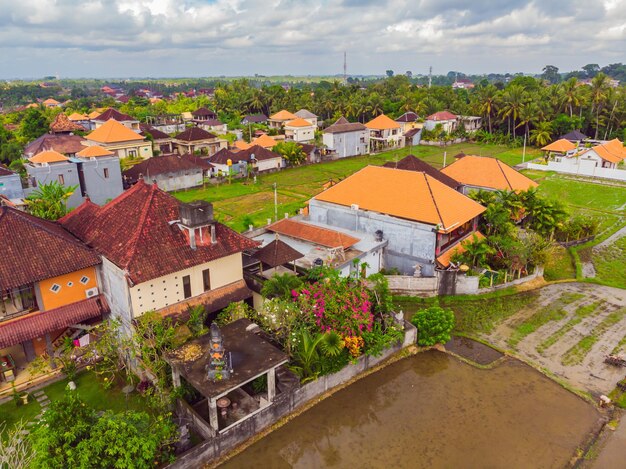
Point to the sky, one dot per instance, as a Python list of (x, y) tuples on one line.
[(189, 38)]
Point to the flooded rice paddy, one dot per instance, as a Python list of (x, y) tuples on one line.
[(432, 411)]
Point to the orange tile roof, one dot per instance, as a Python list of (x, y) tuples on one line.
[(459, 248), (242, 145), (51, 101), (311, 233), (299, 122), (75, 116), (404, 194), (382, 122), (561, 146), (113, 132), (93, 114), (283, 115), (94, 151), (48, 156), (482, 171), (612, 151), (264, 141)]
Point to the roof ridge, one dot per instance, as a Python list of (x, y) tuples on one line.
[(504, 174), (142, 218), (432, 196)]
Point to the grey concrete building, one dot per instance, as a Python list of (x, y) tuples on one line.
[(10, 184), (170, 172), (345, 138)]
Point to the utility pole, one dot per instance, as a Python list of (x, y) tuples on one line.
[(345, 68), (524, 151), (445, 154), (430, 76), (275, 203)]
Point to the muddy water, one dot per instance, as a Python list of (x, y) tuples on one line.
[(433, 411)]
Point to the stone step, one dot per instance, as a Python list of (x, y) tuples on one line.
[(24, 432), (44, 403), (38, 393), (43, 397)]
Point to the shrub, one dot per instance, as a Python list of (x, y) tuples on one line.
[(434, 325)]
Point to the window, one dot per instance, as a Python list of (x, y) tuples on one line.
[(84, 279), (106, 173), (70, 284), (206, 279), (61, 179), (132, 153), (186, 286), (55, 288)]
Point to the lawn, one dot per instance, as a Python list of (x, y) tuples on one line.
[(88, 387), (240, 202), (610, 264)]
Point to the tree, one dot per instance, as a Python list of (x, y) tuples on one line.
[(551, 74), (15, 451), (541, 135), (34, 124), (591, 70), (10, 151), (291, 151), (49, 200), (389, 73), (434, 325), (281, 286)]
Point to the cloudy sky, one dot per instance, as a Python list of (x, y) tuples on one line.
[(122, 38)]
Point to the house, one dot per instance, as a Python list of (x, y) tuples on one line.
[(491, 174), (462, 84), (80, 119), (345, 138), (408, 120), (66, 144), (63, 125), (124, 119), (447, 120), (313, 154), (203, 114), (413, 163), (574, 136), (195, 139), (412, 137), (307, 116), (50, 103), (264, 141), (161, 142), (299, 130), (259, 158), (10, 184), (48, 284), (471, 123), (560, 147), (159, 254), (51, 166), (254, 119), (419, 216), (385, 133), (170, 172), (605, 155), (276, 121), (212, 125), (120, 139)]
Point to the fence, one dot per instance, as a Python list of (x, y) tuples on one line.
[(589, 171), (284, 404)]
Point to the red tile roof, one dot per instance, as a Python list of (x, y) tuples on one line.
[(34, 249), (62, 123), (260, 154), (37, 324), (134, 232), (204, 112), (165, 164), (194, 134), (442, 116), (277, 253), (114, 114), (314, 234), (4, 171), (156, 133), (63, 143)]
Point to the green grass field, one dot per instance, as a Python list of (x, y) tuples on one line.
[(242, 201)]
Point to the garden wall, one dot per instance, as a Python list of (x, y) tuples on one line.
[(591, 171), (437, 143), (284, 404), (537, 273)]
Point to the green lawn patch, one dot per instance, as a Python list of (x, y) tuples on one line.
[(560, 265), (610, 264), (576, 354)]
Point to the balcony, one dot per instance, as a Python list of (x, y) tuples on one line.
[(18, 302)]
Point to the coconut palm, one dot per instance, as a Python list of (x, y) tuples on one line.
[(49, 201), (513, 100), (541, 135)]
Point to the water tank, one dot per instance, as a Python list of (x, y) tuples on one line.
[(196, 213)]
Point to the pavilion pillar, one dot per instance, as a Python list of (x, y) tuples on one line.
[(213, 414), (175, 378), (50, 351), (271, 385)]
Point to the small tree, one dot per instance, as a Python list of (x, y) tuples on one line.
[(291, 151), (15, 451), (50, 200), (434, 325)]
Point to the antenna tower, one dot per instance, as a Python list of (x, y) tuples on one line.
[(430, 76), (345, 69)]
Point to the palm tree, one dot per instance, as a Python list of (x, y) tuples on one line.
[(49, 201), (541, 135), (280, 286), (477, 251), (375, 104), (488, 96), (599, 91), (514, 98), (571, 94)]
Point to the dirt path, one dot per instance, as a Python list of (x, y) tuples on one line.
[(583, 308)]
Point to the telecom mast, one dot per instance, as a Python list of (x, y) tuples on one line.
[(345, 69), (430, 76)]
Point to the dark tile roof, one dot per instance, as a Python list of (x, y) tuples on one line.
[(62, 143), (307, 148), (411, 132), (222, 157), (165, 164), (574, 136), (259, 153), (38, 324), (408, 117), (156, 133), (134, 232), (114, 114), (4, 171), (254, 118), (343, 125), (34, 249), (212, 122), (277, 253), (412, 163), (204, 112), (194, 134), (61, 123)]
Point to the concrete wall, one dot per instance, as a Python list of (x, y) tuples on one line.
[(101, 178), (116, 291), (284, 404), (410, 243), (348, 143), (11, 186), (180, 180), (584, 168), (53, 172), (167, 290), (300, 134)]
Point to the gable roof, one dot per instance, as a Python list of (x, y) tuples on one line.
[(459, 248), (4, 171), (63, 143), (51, 101), (194, 134), (241, 144), (483, 171), (277, 253), (264, 141), (42, 250), (442, 116), (408, 117), (48, 156), (412, 163), (260, 153), (134, 232), (313, 234), (382, 122), (305, 114), (62, 123), (113, 114), (255, 118), (93, 114), (75, 116), (299, 122), (113, 132), (222, 156), (612, 151), (94, 151), (562, 146), (574, 136), (283, 115), (342, 125), (203, 112), (165, 164), (404, 194), (156, 133)]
